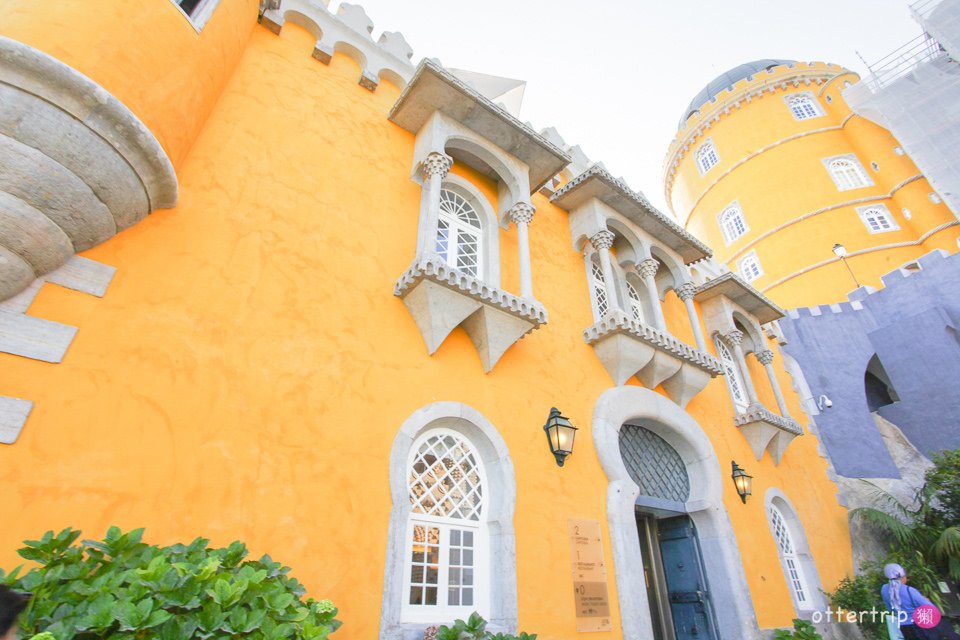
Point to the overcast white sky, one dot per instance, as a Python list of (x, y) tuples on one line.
[(614, 76)]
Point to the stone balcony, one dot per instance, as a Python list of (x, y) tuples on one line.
[(441, 299), (766, 431), (627, 348)]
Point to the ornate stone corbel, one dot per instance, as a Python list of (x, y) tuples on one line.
[(436, 164), (648, 267), (521, 213), (602, 240), (765, 356), (686, 291)]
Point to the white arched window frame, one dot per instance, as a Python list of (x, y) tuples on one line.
[(749, 266), (598, 288), (445, 573), (792, 564), (460, 233), (735, 384), (707, 156), (877, 218), (732, 223), (847, 172), (636, 301), (804, 106)]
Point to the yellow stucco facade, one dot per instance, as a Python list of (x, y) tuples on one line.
[(247, 371), (793, 223)]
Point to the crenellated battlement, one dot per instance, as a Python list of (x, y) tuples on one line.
[(349, 31), (742, 92)]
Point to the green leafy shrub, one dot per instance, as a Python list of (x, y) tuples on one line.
[(475, 628), (802, 630), (862, 594), (120, 588)]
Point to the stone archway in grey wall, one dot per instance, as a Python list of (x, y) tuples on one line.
[(722, 563)]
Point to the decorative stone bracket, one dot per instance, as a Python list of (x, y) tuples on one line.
[(627, 348), (766, 431), (441, 299)]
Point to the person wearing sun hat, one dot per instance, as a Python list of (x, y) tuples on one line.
[(903, 600)]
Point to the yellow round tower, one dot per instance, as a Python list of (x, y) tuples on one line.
[(773, 170)]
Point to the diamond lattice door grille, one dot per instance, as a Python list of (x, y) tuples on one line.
[(653, 464), (445, 479)]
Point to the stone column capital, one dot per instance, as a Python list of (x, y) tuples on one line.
[(734, 337), (686, 291), (522, 212), (436, 164), (648, 267), (602, 240), (765, 356)]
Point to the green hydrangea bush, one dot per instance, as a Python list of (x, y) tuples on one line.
[(121, 588)]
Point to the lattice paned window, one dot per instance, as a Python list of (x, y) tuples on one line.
[(877, 219), (749, 266), (803, 106), (731, 370), (732, 223), (653, 464), (599, 288), (788, 555), (459, 233), (707, 156), (446, 490), (847, 173), (636, 302)]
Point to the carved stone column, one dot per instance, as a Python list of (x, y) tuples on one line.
[(766, 359), (521, 215), (734, 338), (435, 168), (647, 269), (686, 292), (602, 241)]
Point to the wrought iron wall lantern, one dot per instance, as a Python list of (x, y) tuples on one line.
[(560, 435), (742, 481)]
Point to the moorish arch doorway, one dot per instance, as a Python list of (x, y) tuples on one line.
[(669, 511)]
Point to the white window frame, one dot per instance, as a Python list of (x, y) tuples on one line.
[(707, 156), (457, 229), (803, 105), (201, 13), (735, 384), (636, 301), (599, 296), (729, 227), (750, 260), (481, 560), (851, 176), (790, 560), (877, 218)]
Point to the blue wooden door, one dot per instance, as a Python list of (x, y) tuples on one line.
[(686, 585)]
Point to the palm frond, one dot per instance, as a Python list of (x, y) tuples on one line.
[(947, 545), (882, 521)]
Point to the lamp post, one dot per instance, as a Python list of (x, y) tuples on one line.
[(742, 481), (560, 435), (841, 252)]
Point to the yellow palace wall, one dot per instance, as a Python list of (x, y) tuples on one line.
[(772, 165), (248, 369)]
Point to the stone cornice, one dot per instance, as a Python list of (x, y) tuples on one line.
[(596, 182), (433, 268), (758, 413), (619, 322), (432, 88), (733, 287)]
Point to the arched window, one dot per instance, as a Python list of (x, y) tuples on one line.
[(732, 223), (707, 156), (788, 556), (847, 173), (636, 302), (803, 106), (738, 392), (750, 267), (444, 576), (459, 233), (599, 288), (877, 219)]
